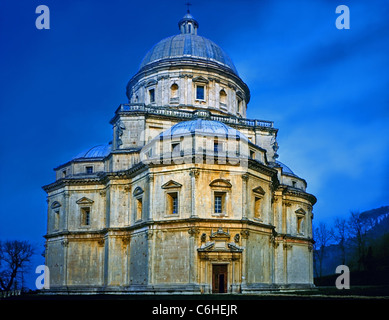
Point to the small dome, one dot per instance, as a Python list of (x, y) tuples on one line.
[(285, 169), (187, 18), (203, 127), (100, 151)]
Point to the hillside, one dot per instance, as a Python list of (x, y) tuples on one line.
[(369, 251)]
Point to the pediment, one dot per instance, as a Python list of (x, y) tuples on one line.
[(259, 190), (200, 79), (171, 184), (55, 204), (84, 200), (138, 190), (221, 247), (300, 212), (151, 83), (220, 183), (235, 248), (220, 234)]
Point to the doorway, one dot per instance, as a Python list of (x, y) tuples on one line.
[(219, 278)]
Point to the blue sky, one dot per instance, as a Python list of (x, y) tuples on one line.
[(325, 89)]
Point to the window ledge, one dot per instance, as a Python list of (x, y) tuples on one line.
[(219, 215), (171, 215)]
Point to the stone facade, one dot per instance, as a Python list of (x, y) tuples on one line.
[(187, 198)]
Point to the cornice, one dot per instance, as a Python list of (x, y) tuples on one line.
[(185, 222), (69, 182), (293, 239), (193, 63), (294, 192)]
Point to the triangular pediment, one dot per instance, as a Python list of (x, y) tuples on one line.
[(220, 183), (200, 79), (300, 212), (259, 190), (171, 184), (84, 200)]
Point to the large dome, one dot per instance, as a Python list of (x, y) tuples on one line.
[(188, 45), (183, 46)]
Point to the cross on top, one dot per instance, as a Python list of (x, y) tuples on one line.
[(188, 4)]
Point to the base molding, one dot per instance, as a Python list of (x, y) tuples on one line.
[(166, 289)]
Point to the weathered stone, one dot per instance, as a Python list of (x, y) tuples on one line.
[(195, 213)]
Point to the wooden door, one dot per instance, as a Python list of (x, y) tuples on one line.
[(219, 278)]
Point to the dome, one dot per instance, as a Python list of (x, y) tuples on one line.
[(285, 169), (203, 127), (100, 151), (188, 45)]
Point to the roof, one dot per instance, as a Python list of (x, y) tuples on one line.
[(100, 151), (203, 127), (188, 46), (188, 17), (286, 169)]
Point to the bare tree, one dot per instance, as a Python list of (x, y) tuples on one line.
[(322, 236), (14, 257), (357, 229), (339, 234)]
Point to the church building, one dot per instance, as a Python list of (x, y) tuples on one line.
[(188, 197)]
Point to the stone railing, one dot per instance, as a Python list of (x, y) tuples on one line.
[(184, 114), (6, 294)]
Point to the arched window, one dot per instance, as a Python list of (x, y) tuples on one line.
[(223, 97), (56, 214), (174, 92), (138, 203), (300, 215)]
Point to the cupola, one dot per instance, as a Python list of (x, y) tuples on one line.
[(188, 24)]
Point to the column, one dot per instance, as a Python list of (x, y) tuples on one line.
[(150, 182), (245, 178), (193, 232), (65, 244), (245, 235), (65, 211), (194, 173)]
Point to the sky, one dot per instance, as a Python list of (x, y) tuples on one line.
[(325, 89)]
